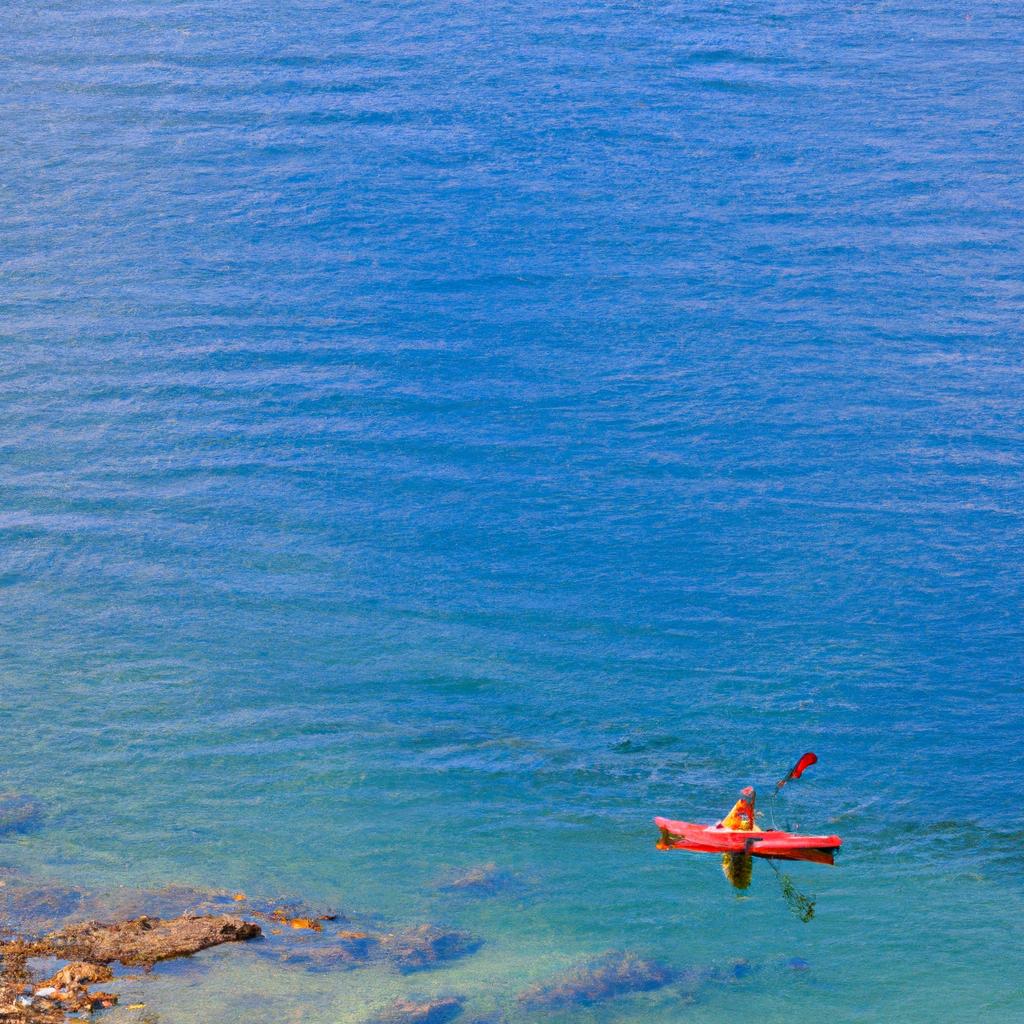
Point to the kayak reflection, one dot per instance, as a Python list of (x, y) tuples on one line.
[(739, 869)]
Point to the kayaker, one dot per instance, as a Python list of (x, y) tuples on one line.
[(741, 817)]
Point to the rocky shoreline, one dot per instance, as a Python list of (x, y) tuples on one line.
[(90, 934), (90, 949)]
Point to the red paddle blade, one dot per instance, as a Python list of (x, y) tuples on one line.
[(798, 769)]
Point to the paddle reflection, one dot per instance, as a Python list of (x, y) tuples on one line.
[(738, 868)]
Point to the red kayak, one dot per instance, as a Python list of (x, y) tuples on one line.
[(685, 835)]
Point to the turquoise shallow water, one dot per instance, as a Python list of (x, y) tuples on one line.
[(435, 435)]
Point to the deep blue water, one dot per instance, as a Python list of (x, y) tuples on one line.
[(435, 434)]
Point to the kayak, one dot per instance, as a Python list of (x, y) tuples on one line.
[(685, 835)]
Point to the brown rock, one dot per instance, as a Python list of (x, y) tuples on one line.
[(78, 975), (143, 941)]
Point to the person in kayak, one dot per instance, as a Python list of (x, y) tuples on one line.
[(741, 817)]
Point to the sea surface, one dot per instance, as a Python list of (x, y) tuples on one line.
[(435, 435)]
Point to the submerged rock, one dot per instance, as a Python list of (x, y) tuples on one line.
[(344, 950), (428, 1011), (285, 909), (19, 813), (37, 908), (692, 979), (319, 944), (483, 880), (143, 941), (426, 946), (615, 974), (166, 901)]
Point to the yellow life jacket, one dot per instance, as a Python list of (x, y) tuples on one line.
[(741, 817)]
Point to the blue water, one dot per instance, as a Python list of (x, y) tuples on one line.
[(440, 434)]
